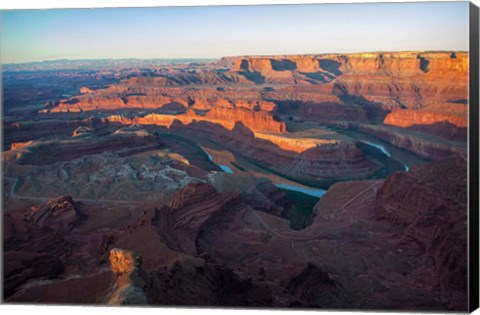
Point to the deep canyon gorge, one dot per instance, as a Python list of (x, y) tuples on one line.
[(309, 181)]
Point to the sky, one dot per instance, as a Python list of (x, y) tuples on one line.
[(218, 31)]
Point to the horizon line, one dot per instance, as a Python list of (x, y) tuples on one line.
[(235, 56)]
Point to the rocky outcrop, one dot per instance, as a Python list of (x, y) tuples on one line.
[(192, 209), (61, 214), (128, 288)]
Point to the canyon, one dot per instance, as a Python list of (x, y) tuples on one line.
[(305, 181)]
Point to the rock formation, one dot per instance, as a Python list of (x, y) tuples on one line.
[(61, 214), (225, 117), (191, 210), (128, 287)]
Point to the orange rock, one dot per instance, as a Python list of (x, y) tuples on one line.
[(122, 261), (226, 117), (85, 89), (410, 117), (18, 145)]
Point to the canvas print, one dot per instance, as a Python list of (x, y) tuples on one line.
[(279, 156)]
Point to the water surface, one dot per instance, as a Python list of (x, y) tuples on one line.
[(378, 146), (226, 169), (307, 191)]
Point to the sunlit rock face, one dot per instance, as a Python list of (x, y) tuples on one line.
[(122, 261), (128, 288), (316, 86)]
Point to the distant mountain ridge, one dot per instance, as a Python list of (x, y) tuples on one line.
[(96, 64)]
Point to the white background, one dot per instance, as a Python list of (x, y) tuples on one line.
[(75, 310)]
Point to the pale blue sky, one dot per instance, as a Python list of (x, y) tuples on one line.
[(213, 32)]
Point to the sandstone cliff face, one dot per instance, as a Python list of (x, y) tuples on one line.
[(448, 125), (254, 120), (396, 64), (225, 117), (418, 90), (375, 83)]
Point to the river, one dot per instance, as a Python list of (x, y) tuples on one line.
[(278, 181), (226, 169), (314, 192), (384, 151), (378, 146)]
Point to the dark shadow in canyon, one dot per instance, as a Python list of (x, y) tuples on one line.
[(255, 77), (331, 66), (283, 65)]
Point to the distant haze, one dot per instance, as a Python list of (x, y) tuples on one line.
[(214, 32)]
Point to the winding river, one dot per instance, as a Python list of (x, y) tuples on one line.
[(278, 181), (405, 158), (314, 192), (378, 146), (383, 150)]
